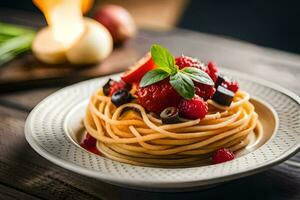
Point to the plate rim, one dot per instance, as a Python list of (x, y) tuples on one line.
[(145, 183)]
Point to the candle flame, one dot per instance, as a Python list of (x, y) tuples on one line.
[(65, 18)]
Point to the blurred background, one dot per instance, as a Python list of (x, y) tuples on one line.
[(268, 23), (26, 77)]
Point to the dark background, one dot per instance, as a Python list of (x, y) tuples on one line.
[(269, 23), (273, 24)]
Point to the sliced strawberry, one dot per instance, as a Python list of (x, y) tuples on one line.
[(136, 72)]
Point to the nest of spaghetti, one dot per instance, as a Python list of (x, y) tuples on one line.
[(130, 134)]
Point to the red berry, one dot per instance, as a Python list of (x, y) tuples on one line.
[(193, 109), (231, 85), (89, 141), (185, 61), (117, 85), (212, 71), (158, 96), (204, 91), (222, 155)]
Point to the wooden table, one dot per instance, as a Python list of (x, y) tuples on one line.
[(26, 175)]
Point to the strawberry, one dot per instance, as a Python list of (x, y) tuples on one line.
[(231, 85), (204, 91), (212, 71), (158, 96), (195, 108), (170, 82), (222, 155), (185, 61)]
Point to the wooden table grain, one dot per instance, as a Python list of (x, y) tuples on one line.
[(26, 175)]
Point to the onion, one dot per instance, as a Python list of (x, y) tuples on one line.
[(46, 49), (117, 20), (94, 45)]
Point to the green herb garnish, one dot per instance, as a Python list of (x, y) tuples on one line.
[(180, 79), (14, 40)]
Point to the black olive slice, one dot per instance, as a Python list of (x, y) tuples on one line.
[(106, 86), (223, 96), (170, 115), (221, 78)]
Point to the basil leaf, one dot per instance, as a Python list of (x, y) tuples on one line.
[(153, 76), (198, 75), (163, 58), (183, 84)]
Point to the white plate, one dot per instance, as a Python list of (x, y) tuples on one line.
[(49, 132)]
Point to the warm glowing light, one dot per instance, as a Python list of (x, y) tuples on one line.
[(70, 37), (64, 17)]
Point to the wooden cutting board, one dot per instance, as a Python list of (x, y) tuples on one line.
[(27, 72)]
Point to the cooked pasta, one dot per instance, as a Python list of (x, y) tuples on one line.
[(142, 139)]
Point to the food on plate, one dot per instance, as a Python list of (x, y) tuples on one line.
[(135, 73), (168, 111), (117, 20), (222, 155)]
